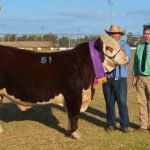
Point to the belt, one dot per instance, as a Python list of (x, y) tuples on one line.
[(144, 75), (117, 78)]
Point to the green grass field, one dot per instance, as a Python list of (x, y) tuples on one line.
[(45, 127)]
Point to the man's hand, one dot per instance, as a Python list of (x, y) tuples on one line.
[(134, 81)]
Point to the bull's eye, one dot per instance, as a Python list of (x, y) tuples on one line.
[(109, 48)]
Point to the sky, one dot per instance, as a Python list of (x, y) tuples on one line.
[(72, 16)]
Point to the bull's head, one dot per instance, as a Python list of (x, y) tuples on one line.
[(112, 54)]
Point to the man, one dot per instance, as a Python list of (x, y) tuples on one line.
[(115, 90), (141, 77)]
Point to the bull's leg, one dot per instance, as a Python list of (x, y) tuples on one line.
[(1, 130), (73, 104), (1, 101), (74, 127), (69, 123)]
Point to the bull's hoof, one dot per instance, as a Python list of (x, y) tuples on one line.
[(76, 135), (1, 130)]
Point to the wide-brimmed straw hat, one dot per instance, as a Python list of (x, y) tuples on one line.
[(115, 29)]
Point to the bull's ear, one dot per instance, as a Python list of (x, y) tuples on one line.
[(99, 45), (108, 48)]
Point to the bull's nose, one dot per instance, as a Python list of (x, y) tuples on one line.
[(126, 59)]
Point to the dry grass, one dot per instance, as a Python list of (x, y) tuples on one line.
[(45, 128)]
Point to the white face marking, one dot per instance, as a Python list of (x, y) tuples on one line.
[(110, 64)]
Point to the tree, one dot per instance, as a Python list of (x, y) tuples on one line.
[(64, 41), (50, 37), (133, 40), (10, 37)]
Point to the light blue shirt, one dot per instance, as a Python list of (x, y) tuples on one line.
[(121, 71)]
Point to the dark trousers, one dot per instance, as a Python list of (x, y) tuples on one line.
[(116, 91)]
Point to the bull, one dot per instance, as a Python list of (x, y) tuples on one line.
[(30, 78)]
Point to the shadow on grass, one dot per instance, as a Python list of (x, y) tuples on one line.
[(92, 119), (101, 114), (43, 114)]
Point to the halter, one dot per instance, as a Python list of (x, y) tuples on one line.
[(112, 57)]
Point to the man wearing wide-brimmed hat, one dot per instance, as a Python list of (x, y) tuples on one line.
[(115, 29), (115, 90)]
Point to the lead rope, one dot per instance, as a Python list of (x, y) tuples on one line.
[(119, 76), (113, 81)]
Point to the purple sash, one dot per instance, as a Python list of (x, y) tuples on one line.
[(98, 66)]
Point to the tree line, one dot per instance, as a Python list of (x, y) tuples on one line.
[(59, 40)]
